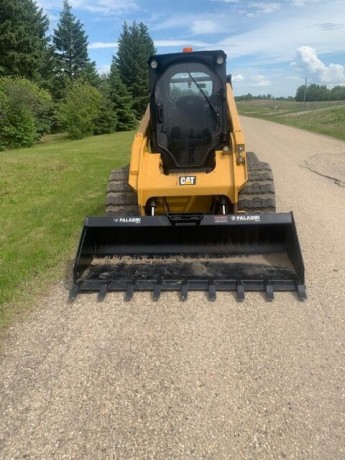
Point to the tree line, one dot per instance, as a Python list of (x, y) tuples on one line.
[(315, 92), (308, 93), (49, 84)]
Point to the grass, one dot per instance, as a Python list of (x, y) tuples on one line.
[(45, 194), (320, 117)]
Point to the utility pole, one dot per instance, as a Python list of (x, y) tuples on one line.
[(305, 90)]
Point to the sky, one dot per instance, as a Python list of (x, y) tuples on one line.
[(271, 46)]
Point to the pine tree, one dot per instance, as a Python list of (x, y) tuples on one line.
[(106, 121), (72, 60), (90, 75), (122, 101), (135, 47), (23, 41)]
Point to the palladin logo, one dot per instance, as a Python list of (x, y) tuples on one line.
[(187, 180), (127, 220)]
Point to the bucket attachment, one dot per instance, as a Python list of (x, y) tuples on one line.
[(243, 252)]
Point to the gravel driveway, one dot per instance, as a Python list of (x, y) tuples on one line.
[(198, 379)]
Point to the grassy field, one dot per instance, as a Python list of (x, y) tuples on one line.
[(320, 117), (45, 193)]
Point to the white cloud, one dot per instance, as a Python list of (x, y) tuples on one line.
[(102, 45), (180, 43), (275, 41), (103, 70), (258, 8), (96, 6), (301, 3), (201, 26), (307, 61), (259, 80), (227, 1), (329, 26), (237, 77)]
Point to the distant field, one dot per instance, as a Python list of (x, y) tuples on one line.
[(45, 193), (320, 117)]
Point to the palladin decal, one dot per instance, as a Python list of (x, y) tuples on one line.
[(187, 180), (127, 220)]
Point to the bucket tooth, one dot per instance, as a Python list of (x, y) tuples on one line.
[(240, 291), (301, 291), (129, 291), (157, 290), (102, 292), (212, 293), (74, 292), (269, 291), (184, 290)]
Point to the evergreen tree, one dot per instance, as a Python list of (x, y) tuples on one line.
[(23, 42), (90, 75), (72, 60), (135, 47), (122, 101), (106, 121)]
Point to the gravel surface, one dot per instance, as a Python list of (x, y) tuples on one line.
[(198, 379)]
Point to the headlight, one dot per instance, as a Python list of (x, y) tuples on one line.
[(220, 59)]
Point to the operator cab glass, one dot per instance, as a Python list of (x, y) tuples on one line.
[(189, 111)]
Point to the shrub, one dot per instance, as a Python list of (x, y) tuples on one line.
[(25, 112), (79, 110)]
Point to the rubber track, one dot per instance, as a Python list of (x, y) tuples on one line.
[(120, 199), (258, 195)]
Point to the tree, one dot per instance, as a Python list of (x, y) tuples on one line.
[(134, 48), (79, 110), (315, 92), (23, 41), (106, 121), (121, 100), (71, 55), (338, 93), (25, 112)]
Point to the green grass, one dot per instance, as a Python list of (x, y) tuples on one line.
[(45, 193), (320, 117)]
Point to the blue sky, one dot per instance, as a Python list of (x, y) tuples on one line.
[(272, 46)]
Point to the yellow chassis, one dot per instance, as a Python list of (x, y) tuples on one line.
[(188, 192)]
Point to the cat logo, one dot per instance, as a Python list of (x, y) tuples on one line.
[(187, 180)]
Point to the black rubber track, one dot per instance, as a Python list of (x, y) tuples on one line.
[(120, 199), (258, 195)]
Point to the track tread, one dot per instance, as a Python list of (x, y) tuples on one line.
[(258, 195), (120, 198)]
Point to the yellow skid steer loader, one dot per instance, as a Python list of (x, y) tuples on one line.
[(194, 211)]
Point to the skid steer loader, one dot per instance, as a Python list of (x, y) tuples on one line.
[(194, 210)]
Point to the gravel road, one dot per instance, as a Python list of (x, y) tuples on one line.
[(199, 379)]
